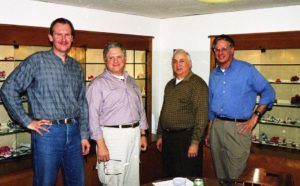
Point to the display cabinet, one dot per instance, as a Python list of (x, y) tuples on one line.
[(281, 67), (14, 139), (18, 42)]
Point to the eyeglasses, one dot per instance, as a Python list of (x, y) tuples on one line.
[(220, 49)]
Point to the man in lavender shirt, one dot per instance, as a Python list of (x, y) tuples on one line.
[(117, 120)]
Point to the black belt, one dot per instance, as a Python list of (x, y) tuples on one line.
[(231, 119), (131, 125), (63, 121), (173, 130)]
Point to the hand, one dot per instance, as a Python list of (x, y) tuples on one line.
[(207, 140), (193, 150), (38, 126), (246, 127), (144, 143), (207, 137), (85, 146), (102, 152), (159, 144)]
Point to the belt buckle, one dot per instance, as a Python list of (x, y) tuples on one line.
[(66, 120), (130, 125)]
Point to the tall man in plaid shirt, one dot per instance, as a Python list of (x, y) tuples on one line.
[(58, 113)]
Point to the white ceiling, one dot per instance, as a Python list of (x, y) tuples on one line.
[(172, 8)]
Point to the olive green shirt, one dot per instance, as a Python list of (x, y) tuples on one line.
[(185, 106)]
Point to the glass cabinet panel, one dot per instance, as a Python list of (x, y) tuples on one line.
[(281, 67)]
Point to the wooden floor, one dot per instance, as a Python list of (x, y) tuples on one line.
[(278, 162)]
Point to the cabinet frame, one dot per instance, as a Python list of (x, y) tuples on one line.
[(16, 36)]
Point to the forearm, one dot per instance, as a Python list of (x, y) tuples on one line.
[(83, 117), (261, 108)]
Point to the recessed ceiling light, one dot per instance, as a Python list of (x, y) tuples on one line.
[(217, 1)]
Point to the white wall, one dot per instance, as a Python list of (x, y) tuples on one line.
[(190, 33)]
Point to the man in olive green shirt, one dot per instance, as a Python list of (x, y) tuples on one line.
[(183, 118)]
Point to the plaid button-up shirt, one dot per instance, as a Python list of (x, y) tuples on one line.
[(55, 90)]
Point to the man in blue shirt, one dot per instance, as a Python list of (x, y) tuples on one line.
[(58, 113), (233, 87)]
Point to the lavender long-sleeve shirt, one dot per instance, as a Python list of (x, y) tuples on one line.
[(114, 102)]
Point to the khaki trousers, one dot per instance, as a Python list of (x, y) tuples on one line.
[(124, 150), (230, 149)]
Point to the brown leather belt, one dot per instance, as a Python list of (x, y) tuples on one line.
[(131, 125)]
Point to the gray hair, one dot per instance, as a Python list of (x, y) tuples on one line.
[(113, 45), (225, 38), (176, 51)]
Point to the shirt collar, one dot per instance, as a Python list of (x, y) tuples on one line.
[(125, 74), (67, 57), (232, 66), (187, 78)]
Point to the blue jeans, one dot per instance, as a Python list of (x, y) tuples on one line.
[(60, 147)]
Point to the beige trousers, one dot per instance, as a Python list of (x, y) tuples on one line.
[(230, 149), (124, 150)]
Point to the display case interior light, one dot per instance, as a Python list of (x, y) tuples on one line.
[(217, 1)]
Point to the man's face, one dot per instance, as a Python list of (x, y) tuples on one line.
[(181, 65), (62, 38), (115, 61), (223, 52)]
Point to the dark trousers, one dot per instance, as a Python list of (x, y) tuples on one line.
[(176, 162)]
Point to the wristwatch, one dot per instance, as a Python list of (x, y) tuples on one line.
[(259, 114)]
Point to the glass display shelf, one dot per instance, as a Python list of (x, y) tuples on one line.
[(283, 124), (285, 104), (15, 142), (8, 131), (11, 60), (7, 153), (140, 78), (279, 82), (282, 145), (279, 135)]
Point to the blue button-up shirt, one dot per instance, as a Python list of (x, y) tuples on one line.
[(55, 90), (232, 93)]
